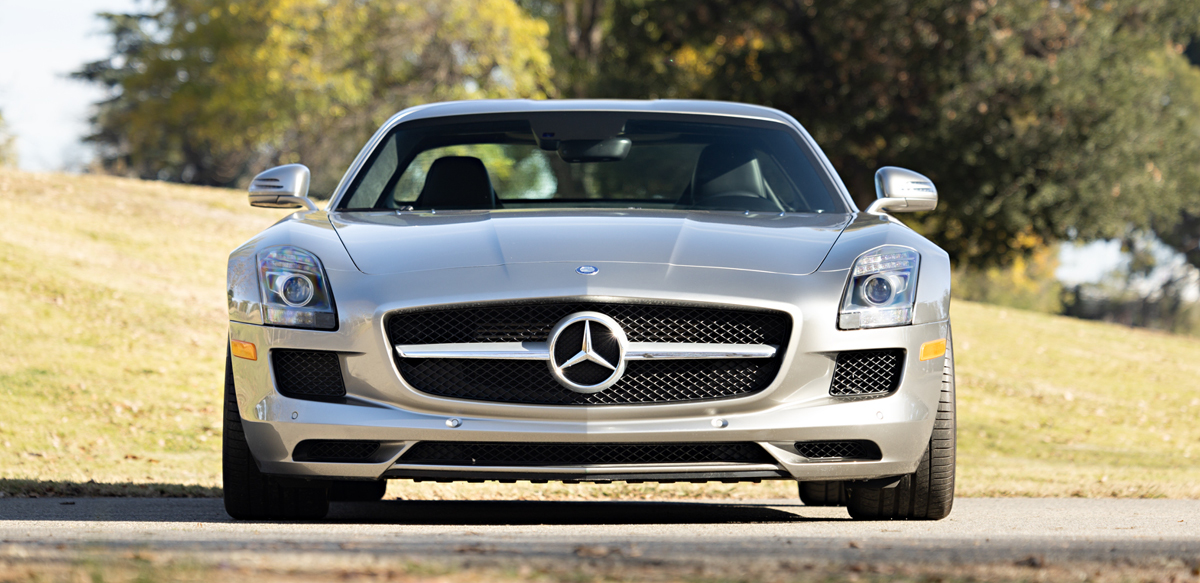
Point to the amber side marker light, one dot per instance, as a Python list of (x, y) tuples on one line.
[(933, 349), (248, 351)]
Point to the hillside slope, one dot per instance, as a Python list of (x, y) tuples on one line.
[(112, 298), (112, 304)]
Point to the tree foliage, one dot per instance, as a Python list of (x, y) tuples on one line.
[(1039, 121), (208, 91), (580, 43)]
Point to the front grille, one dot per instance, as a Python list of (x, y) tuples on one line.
[(867, 373), (644, 382), (529, 381), (335, 450), (308, 374), (839, 450), (452, 453), (531, 322)]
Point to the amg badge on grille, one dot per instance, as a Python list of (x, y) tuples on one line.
[(587, 352)]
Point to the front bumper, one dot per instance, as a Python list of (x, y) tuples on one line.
[(900, 424), (381, 407)]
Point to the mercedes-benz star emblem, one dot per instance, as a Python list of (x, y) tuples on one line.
[(587, 352)]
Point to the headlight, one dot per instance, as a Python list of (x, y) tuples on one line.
[(883, 287), (295, 291)]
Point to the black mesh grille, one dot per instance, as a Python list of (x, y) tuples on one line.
[(528, 381), (335, 450), (556, 454), (867, 372), (839, 450), (308, 373), (531, 322), (643, 382)]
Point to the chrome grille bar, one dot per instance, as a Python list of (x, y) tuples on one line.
[(541, 350)]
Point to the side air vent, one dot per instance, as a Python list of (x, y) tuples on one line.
[(335, 450), (867, 373), (308, 374), (838, 451)]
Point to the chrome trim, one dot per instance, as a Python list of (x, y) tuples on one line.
[(282, 187), (541, 350), (900, 190), (597, 469), (690, 351), (496, 350), (587, 352)]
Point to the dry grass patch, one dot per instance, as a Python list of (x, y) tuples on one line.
[(113, 312), (1053, 406)]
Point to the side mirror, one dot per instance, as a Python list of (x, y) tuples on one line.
[(902, 191), (282, 187)]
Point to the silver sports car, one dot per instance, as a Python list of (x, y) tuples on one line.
[(590, 291)]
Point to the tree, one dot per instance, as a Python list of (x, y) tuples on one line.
[(8, 145), (208, 91), (1184, 234), (1039, 121), (577, 41)]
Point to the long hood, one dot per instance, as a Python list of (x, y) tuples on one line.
[(389, 242)]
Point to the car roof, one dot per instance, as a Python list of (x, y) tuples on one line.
[(692, 106)]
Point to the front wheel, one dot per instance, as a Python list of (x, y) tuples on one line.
[(927, 494), (250, 494)]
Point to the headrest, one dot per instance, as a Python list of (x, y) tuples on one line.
[(457, 182), (725, 169)]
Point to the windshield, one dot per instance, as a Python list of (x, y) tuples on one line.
[(591, 160)]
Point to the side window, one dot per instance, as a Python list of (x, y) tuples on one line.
[(410, 184), (780, 185), (376, 178)]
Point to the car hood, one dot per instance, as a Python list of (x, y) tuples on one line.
[(399, 242)]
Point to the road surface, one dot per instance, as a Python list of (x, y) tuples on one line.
[(723, 535)]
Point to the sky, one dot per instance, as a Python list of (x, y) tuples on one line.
[(41, 42)]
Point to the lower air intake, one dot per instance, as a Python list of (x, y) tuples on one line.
[(827, 451), (452, 453), (335, 450), (862, 373), (308, 374)]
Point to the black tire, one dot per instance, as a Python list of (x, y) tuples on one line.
[(823, 493), (249, 494), (927, 494), (357, 491)]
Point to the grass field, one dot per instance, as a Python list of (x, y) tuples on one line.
[(112, 327)]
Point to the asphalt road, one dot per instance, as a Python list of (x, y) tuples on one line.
[(655, 533)]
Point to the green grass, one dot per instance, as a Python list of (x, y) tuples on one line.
[(112, 323)]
